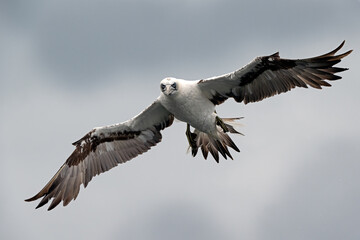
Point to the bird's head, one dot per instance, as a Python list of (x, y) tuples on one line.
[(169, 86)]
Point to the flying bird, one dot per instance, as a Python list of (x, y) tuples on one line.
[(192, 102)]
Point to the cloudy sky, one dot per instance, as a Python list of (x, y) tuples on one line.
[(68, 66)]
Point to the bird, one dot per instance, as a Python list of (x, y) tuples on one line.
[(192, 102)]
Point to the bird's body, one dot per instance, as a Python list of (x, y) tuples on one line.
[(192, 102), (189, 105)]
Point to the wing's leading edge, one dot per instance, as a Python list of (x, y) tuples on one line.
[(270, 75), (102, 149)]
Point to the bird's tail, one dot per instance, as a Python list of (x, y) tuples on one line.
[(215, 144)]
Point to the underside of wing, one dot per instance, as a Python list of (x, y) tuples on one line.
[(102, 149), (270, 75)]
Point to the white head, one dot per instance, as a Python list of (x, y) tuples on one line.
[(169, 86)]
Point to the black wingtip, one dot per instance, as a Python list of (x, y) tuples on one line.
[(346, 53), (275, 55), (337, 49), (194, 151), (333, 52), (32, 198), (51, 207)]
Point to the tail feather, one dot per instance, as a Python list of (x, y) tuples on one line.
[(230, 123), (213, 148), (215, 144)]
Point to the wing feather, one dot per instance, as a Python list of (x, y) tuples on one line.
[(102, 149), (270, 75)]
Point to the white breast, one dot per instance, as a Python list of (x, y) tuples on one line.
[(189, 105)]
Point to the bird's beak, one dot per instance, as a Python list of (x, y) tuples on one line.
[(168, 90)]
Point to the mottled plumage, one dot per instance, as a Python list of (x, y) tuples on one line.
[(192, 102)]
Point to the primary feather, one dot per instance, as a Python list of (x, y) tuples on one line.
[(192, 102)]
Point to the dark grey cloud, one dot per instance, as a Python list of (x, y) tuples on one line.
[(83, 41), (68, 66)]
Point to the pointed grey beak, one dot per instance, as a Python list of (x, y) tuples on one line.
[(168, 90)]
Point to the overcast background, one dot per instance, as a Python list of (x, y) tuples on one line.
[(68, 66)]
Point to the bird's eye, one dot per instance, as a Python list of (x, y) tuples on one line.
[(162, 86), (173, 85)]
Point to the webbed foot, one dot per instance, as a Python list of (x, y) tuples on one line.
[(220, 123), (191, 139)]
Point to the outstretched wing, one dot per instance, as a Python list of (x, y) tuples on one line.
[(102, 149), (269, 75)]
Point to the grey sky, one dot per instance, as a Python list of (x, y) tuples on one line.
[(68, 66)]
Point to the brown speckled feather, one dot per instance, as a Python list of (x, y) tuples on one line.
[(270, 75), (102, 149)]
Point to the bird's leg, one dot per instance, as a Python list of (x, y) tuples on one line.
[(220, 122), (190, 137)]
